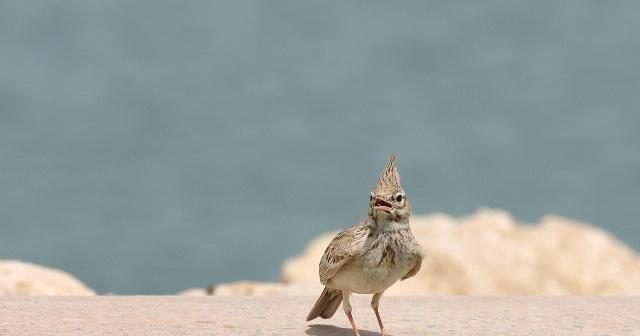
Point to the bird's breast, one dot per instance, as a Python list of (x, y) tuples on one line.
[(382, 263)]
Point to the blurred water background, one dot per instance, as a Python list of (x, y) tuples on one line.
[(151, 146)]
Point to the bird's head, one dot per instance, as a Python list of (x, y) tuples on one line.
[(388, 201)]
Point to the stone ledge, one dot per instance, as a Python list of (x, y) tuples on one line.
[(279, 315)]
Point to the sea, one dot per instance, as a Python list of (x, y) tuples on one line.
[(147, 147)]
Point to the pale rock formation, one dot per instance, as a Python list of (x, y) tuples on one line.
[(193, 292), (489, 253), (253, 288), (21, 278)]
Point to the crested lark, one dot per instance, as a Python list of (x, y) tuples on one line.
[(370, 257)]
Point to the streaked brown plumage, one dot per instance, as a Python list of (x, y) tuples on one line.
[(371, 256)]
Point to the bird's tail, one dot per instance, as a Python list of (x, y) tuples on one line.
[(327, 304)]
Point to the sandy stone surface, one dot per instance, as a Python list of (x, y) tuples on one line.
[(285, 315)]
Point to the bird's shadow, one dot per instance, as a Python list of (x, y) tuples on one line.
[(330, 330)]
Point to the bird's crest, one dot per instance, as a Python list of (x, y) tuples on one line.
[(389, 180)]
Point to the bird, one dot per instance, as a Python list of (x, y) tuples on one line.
[(371, 256)]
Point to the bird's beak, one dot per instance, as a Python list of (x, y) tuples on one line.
[(382, 205)]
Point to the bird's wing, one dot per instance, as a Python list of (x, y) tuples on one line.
[(418, 253), (413, 271), (344, 246)]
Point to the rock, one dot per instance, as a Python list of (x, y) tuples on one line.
[(193, 292), (21, 278), (253, 288), (489, 253)]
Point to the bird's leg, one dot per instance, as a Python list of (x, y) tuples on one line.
[(347, 310), (375, 301)]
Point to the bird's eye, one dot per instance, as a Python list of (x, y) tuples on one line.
[(399, 198), (370, 198)]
